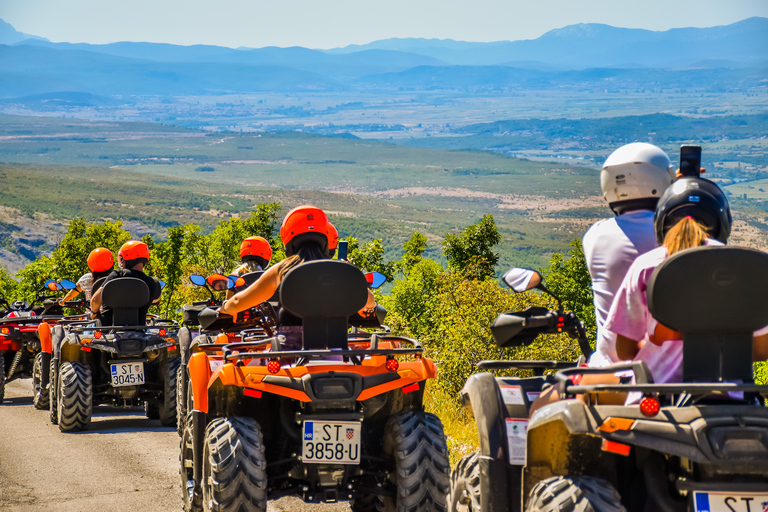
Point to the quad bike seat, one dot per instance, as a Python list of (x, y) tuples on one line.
[(125, 296), (716, 297), (338, 291)]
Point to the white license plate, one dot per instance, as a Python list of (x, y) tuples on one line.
[(331, 442), (127, 374), (729, 502)]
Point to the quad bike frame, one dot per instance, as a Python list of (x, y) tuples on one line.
[(269, 395), (82, 354), (701, 444)]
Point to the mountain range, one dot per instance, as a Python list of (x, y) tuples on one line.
[(32, 65)]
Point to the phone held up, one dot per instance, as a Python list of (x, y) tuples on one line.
[(342, 249), (690, 161)]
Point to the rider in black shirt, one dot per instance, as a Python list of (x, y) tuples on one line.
[(132, 257)]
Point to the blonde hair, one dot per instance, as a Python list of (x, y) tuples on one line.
[(686, 234)]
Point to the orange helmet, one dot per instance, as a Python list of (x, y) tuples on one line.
[(100, 259), (333, 237), (256, 247), (134, 250), (304, 223)]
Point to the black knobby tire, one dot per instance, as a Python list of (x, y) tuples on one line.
[(577, 494), (2, 377), (152, 409), (75, 397), (365, 503), (181, 406), (193, 501), (234, 466), (53, 401), (41, 398), (465, 484), (167, 406), (422, 470)]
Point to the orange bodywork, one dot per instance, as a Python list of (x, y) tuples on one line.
[(252, 377), (44, 333)]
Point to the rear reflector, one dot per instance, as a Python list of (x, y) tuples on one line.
[(85, 349), (252, 392), (617, 448), (411, 387)]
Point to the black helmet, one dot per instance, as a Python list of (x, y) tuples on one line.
[(698, 198)]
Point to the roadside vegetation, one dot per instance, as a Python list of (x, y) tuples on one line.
[(448, 307)]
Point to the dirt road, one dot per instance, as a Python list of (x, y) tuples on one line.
[(124, 462)]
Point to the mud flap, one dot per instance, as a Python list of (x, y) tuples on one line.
[(198, 441), (45, 370)]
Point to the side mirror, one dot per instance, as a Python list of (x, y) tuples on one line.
[(522, 279), (66, 284), (375, 279), (197, 279)]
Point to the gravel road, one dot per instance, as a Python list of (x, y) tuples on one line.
[(124, 462)]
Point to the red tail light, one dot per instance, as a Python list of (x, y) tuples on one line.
[(5, 330), (273, 366), (97, 334), (392, 364), (162, 332), (650, 407)]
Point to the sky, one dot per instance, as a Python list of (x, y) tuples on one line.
[(335, 23)]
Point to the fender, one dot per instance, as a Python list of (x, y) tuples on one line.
[(44, 333), (501, 489), (200, 375)]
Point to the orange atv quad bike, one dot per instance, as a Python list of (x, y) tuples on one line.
[(123, 365), (341, 419), (259, 321), (20, 354)]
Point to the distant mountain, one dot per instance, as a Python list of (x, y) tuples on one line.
[(296, 57), (9, 35), (596, 45), (597, 57)]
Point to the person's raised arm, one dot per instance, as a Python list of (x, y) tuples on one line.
[(258, 292)]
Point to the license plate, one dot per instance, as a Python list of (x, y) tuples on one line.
[(127, 374), (331, 442), (729, 502)]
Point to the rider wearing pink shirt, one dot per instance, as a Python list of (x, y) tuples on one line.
[(692, 212)]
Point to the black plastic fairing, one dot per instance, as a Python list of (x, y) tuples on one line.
[(509, 329)]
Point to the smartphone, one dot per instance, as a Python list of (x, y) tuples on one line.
[(342, 250), (690, 160)]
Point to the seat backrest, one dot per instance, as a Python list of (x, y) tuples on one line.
[(124, 296), (716, 297), (324, 294)]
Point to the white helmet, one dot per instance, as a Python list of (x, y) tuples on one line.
[(634, 177)]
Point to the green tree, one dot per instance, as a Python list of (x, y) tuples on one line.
[(473, 248), (414, 249)]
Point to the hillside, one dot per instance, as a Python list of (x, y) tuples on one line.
[(154, 177)]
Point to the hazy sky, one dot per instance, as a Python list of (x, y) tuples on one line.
[(333, 23)]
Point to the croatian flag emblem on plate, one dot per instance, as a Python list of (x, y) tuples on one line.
[(350, 433)]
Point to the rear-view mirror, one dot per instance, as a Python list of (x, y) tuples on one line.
[(197, 279), (375, 279), (66, 284), (522, 279)]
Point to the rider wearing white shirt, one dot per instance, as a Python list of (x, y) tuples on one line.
[(632, 180)]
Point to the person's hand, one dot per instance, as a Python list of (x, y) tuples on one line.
[(60, 301)]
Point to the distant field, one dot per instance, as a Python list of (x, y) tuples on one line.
[(757, 189), (156, 176)]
